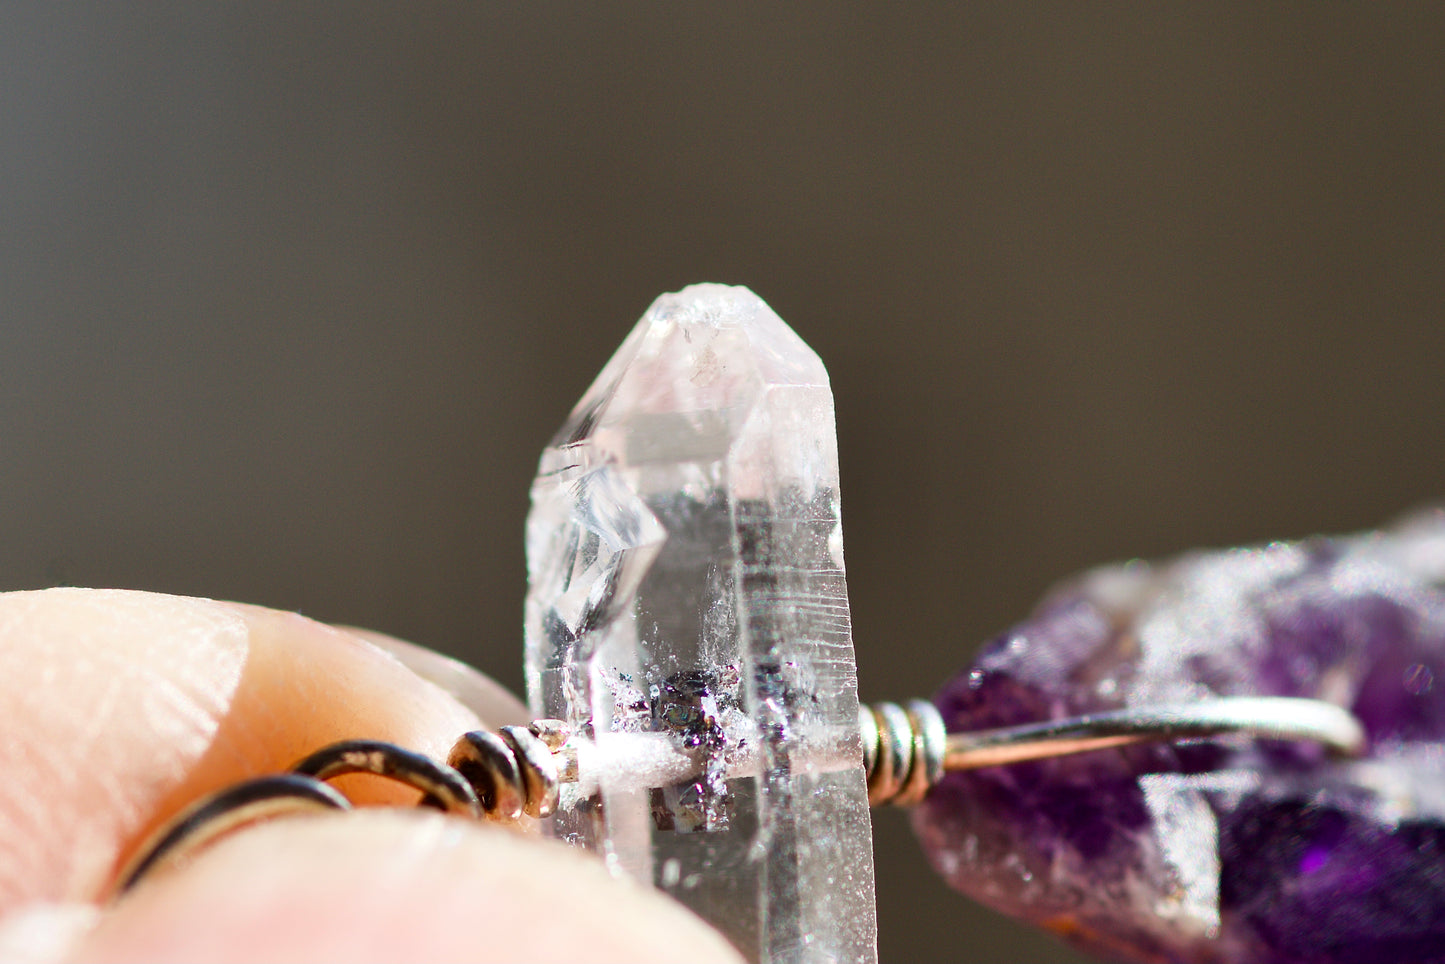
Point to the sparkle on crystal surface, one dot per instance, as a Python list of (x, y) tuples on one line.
[(687, 613)]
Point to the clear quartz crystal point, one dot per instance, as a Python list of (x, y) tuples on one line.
[(687, 615)]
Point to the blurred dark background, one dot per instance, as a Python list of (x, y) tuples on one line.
[(290, 297)]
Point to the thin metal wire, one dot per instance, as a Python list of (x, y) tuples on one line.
[(239, 805), (516, 770), (902, 751), (906, 753), (1262, 717), (442, 787)]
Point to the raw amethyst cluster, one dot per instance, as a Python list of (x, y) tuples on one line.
[(1226, 849)]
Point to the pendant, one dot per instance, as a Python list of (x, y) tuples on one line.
[(687, 595), (1235, 756)]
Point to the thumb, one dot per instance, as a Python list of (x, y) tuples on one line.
[(392, 885)]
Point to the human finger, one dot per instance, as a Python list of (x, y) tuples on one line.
[(390, 885), (123, 707)]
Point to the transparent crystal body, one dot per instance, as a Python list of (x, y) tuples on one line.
[(687, 614)]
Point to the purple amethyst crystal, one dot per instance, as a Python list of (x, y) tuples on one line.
[(1226, 849)]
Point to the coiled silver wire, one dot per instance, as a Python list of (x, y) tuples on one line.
[(903, 750)]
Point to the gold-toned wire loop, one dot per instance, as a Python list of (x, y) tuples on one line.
[(490, 765), (212, 817), (516, 770), (538, 770), (441, 786), (555, 735)]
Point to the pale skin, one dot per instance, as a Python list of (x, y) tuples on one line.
[(119, 708)]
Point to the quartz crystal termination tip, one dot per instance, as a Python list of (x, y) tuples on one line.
[(686, 591)]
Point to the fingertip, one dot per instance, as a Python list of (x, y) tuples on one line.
[(124, 707), (44, 932), (111, 698), (387, 885), (488, 699)]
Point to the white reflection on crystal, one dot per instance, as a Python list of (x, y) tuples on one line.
[(599, 555)]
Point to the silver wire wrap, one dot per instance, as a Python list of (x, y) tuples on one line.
[(905, 752)]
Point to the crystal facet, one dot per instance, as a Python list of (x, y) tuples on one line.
[(687, 615), (1219, 850)]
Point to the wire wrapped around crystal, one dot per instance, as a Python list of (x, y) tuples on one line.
[(1219, 850)]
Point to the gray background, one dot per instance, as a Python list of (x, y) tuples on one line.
[(291, 297)]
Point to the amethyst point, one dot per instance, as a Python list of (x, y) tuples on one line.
[(1224, 850)]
